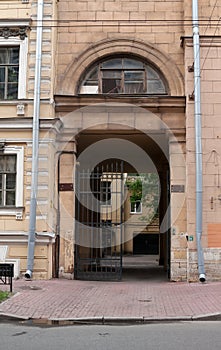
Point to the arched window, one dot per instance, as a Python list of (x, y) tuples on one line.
[(122, 76)]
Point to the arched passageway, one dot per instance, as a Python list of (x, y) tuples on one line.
[(116, 238)]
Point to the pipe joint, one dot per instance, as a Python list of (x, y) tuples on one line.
[(202, 277), (28, 274)]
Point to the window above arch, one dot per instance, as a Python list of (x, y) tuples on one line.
[(123, 75)]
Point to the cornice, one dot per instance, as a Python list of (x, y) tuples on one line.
[(14, 28), (26, 124), (204, 40), (64, 103)]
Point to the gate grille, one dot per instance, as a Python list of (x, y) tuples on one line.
[(98, 225)]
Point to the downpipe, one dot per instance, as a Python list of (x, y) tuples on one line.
[(198, 140), (35, 143)]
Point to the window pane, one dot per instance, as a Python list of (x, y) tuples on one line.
[(2, 74), (115, 63), (132, 207), (133, 88), (13, 74), (90, 85), (2, 89), (111, 86), (133, 76), (151, 74), (105, 191), (12, 91), (2, 168), (111, 74), (3, 55), (138, 206), (129, 63), (154, 87), (135, 207), (10, 198), (1, 181), (89, 89), (13, 55), (10, 181), (10, 163), (1, 198), (93, 75)]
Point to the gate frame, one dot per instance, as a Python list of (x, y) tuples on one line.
[(97, 267)]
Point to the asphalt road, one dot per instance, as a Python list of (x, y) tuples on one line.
[(169, 336)]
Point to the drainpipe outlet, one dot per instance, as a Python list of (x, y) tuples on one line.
[(28, 274), (202, 277)]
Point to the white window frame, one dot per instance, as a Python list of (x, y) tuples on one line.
[(23, 50), (19, 152), (107, 202), (136, 212)]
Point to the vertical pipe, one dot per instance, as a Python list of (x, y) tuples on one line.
[(35, 142), (198, 141)]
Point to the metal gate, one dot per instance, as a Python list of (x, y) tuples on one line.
[(99, 198)]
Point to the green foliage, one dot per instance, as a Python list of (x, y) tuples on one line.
[(145, 188), (3, 295), (134, 185)]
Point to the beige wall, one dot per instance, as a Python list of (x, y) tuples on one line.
[(128, 27), (211, 148), (16, 129), (91, 30), (94, 22)]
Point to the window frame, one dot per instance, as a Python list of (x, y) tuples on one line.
[(123, 70), (22, 71), (136, 212), (19, 152), (106, 191), (5, 174)]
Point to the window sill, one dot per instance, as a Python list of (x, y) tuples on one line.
[(12, 211), (13, 102)]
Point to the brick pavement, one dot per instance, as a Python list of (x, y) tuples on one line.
[(130, 299)]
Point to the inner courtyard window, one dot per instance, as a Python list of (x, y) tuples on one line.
[(122, 76), (106, 192)]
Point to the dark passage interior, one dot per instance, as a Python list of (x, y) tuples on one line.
[(113, 240)]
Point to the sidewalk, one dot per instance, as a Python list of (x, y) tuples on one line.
[(129, 300)]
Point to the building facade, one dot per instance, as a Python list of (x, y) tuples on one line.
[(116, 87)]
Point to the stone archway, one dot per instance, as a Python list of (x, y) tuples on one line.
[(70, 79)]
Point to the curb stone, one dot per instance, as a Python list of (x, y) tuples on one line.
[(106, 320)]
